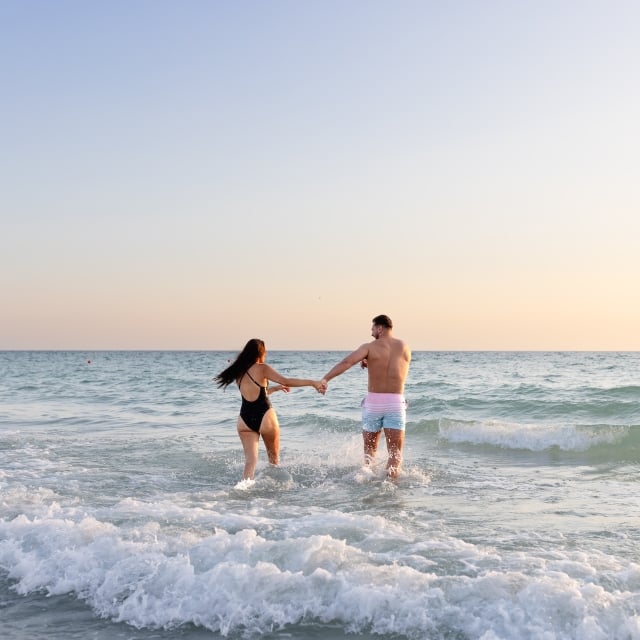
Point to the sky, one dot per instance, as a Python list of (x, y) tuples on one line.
[(189, 175)]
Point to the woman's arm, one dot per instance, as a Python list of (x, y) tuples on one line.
[(271, 374)]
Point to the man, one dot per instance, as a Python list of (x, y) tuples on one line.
[(387, 361)]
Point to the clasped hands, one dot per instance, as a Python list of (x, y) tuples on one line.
[(321, 386)]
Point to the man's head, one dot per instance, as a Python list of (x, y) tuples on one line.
[(383, 321), (381, 324)]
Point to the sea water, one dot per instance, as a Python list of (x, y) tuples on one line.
[(123, 513)]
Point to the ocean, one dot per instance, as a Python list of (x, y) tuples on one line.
[(516, 516)]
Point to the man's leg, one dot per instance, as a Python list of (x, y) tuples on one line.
[(395, 442), (371, 439)]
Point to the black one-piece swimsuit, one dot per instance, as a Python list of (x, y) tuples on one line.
[(253, 412)]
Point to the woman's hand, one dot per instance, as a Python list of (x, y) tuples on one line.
[(278, 387)]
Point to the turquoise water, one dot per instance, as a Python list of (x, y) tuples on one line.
[(122, 516)]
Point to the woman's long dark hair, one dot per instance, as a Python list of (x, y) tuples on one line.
[(253, 350)]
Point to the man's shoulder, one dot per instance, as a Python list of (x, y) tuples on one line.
[(403, 347)]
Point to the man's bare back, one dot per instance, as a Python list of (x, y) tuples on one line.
[(387, 362)]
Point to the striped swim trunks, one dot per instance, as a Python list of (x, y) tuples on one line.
[(384, 411)]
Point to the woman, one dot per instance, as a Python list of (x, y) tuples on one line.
[(257, 416)]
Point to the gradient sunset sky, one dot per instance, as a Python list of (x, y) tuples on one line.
[(191, 174)]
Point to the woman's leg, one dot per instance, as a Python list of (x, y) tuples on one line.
[(270, 432), (250, 441)]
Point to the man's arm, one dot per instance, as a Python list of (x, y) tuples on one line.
[(346, 363)]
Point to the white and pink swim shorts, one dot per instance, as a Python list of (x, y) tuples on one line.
[(383, 411)]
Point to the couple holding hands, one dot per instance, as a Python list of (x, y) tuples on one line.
[(386, 359)]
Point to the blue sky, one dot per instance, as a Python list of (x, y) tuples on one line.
[(192, 174)]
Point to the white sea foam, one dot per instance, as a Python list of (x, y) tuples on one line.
[(383, 581), (244, 485)]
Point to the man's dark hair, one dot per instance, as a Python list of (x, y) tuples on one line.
[(383, 321)]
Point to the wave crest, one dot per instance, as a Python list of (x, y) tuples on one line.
[(532, 437)]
